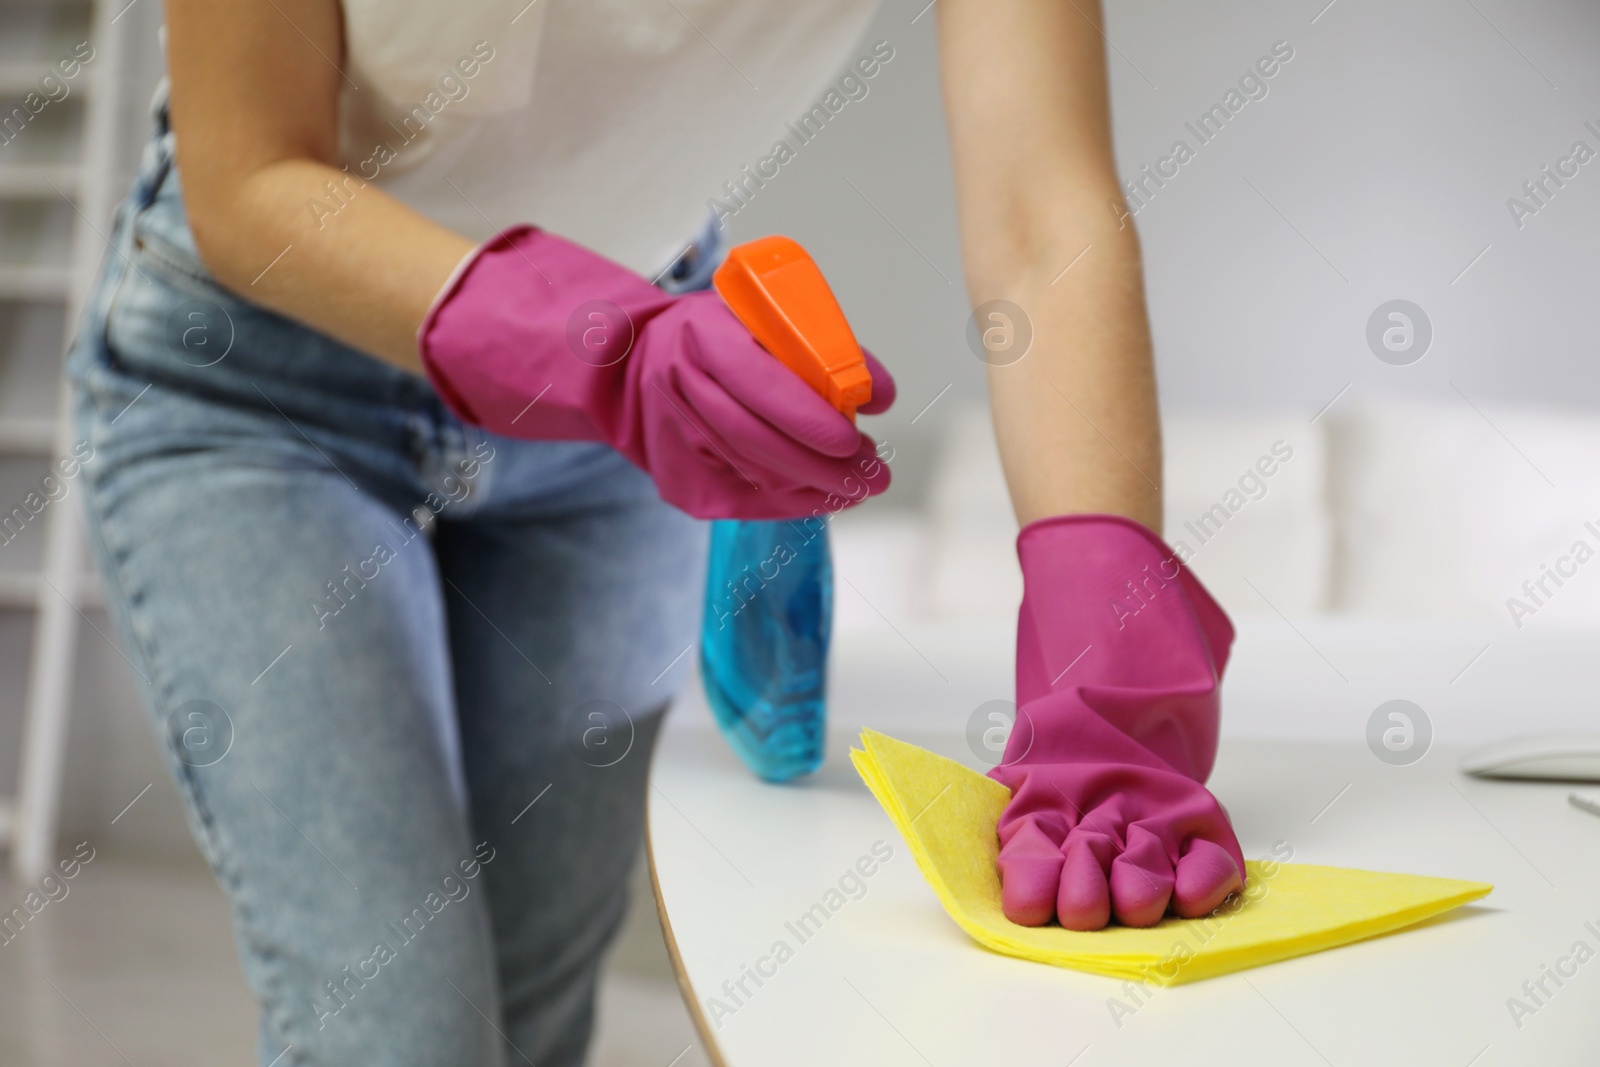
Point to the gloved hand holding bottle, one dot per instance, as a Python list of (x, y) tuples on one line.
[(1120, 653), (538, 338)]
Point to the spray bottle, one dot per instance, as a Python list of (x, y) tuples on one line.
[(769, 586)]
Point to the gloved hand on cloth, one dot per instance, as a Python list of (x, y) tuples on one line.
[(1120, 653), (538, 338)]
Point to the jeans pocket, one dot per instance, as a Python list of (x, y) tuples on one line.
[(168, 317), (166, 258)]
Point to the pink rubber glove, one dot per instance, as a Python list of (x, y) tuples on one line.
[(535, 337), (1120, 653)]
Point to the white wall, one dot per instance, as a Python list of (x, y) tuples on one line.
[(1390, 142)]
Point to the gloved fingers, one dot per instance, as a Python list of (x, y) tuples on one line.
[(1030, 875), (851, 480), (720, 493), (1050, 823), (1204, 818), (871, 467), (883, 387), (1141, 880), (683, 432), (726, 354), (778, 396), (723, 492), (1083, 901), (856, 475), (1098, 837), (680, 443), (1206, 876), (866, 474)]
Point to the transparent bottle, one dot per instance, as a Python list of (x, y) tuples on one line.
[(764, 641)]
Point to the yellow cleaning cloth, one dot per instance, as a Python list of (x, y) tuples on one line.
[(948, 813)]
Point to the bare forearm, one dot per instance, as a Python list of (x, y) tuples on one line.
[(1076, 418), (361, 267), (1036, 184), (255, 91)]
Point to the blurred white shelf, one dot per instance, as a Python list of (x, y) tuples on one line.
[(26, 436), (38, 181), (40, 36), (20, 590), (34, 282)]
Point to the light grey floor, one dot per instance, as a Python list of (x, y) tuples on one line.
[(135, 966)]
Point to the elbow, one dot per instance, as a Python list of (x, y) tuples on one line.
[(220, 229), (209, 236), (237, 221), (1045, 233)]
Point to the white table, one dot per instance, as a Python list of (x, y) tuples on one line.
[(890, 980)]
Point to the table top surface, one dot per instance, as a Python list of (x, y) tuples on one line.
[(889, 979)]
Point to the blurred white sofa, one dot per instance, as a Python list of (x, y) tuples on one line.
[(1376, 564), (1386, 509)]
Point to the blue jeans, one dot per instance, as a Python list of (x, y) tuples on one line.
[(407, 674)]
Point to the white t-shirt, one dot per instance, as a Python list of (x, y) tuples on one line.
[(619, 124)]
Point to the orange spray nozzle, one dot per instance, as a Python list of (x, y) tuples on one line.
[(778, 292)]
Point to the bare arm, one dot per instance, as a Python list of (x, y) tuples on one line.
[(255, 88), (1030, 128)]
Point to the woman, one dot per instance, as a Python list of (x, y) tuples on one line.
[(397, 497)]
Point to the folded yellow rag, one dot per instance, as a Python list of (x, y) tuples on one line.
[(947, 814)]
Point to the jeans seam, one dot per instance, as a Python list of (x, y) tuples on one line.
[(209, 836)]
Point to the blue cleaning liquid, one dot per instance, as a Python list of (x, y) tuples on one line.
[(764, 641)]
